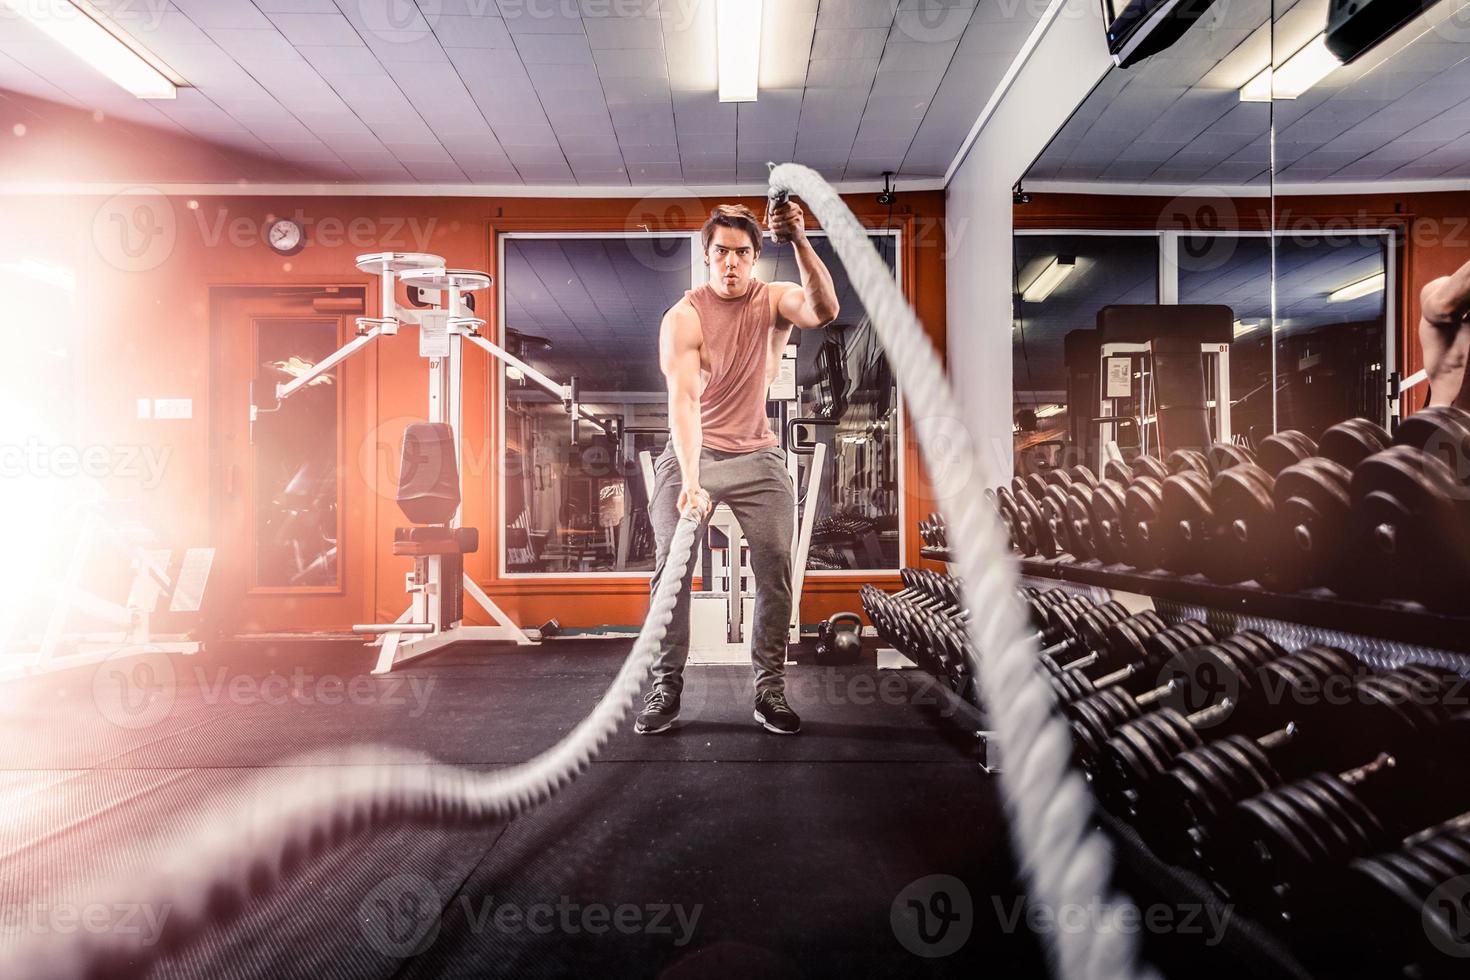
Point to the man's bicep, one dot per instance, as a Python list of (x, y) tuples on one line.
[(794, 307)]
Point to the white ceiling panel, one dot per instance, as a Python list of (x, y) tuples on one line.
[(596, 91)]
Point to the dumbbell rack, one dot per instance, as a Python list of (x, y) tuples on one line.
[(1382, 635)]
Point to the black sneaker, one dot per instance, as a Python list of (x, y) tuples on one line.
[(774, 714), (660, 709)]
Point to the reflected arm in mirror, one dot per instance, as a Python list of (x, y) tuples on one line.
[(1445, 334), (680, 341)]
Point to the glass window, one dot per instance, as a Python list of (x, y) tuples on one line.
[(844, 381), (1061, 282), (295, 459)]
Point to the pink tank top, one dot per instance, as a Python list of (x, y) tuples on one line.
[(737, 339)]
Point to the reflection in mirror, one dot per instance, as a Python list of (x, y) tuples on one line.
[(1061, 282), (295, 450), (1162, 157), (843, 381), (585, 308), (589, 308), (1370, 132)]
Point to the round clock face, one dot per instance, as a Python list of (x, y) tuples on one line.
[(286, 236)]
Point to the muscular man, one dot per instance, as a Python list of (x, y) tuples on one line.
[(719, 348), (1445, 335)]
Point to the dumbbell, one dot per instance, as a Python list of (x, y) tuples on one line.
[(1349, 443), (1143, 539), (1136, 650), (1285, 448), (1187, 461), (1269, 845), (1399, 911), (1312, 503), (1143, 749), (1409, 516), (1107, 513), (1393, 711), (1223, 455), (1237, 658)]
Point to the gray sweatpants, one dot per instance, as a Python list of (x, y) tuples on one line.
[(758, 490)]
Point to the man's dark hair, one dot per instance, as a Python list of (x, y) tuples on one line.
[(732, 216)]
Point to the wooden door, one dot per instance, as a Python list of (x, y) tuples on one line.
[(291, 515)]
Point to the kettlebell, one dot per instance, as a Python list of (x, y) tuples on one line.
[(840, 639)]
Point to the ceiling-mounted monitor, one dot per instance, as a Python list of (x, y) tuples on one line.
[(1139, 28)]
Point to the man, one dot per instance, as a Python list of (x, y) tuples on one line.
[(1445, 337), (719, 348)]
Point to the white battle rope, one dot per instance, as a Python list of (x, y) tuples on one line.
[(1067, 861), (235, 856)]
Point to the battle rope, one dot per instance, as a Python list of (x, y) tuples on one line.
[(235, 857), (1067, 861)]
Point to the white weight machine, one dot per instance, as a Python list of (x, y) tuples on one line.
[(445, 318)]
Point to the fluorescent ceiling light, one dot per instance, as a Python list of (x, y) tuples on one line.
[(738, 48), (70, 26), (1361, 288), (1300, 72), (1047, 281), (1047, 411), (1243, 327)]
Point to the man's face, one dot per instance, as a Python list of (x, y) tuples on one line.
[(731, 261)]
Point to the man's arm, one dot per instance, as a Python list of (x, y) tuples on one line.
[(813, 304), (679, 341), (1445, 304)]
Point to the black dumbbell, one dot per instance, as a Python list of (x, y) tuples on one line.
[(1187, 461), (1108, 526), (1398, 913), (1410, 528), (1223, 455), (1190, 679), (1387, 712), (1143, 749), (1286, 448), (1131, 658), (1143, 538), (1312, 503), (1244, 536), (1349, 443), (1267, 847)]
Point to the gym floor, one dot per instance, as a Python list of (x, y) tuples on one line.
[(739, 852)]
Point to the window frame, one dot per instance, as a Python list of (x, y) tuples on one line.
[(696, 278)]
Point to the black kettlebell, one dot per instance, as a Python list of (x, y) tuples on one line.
[(840, 639)]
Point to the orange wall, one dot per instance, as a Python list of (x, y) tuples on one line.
[(146, 319), (1433, 233)]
